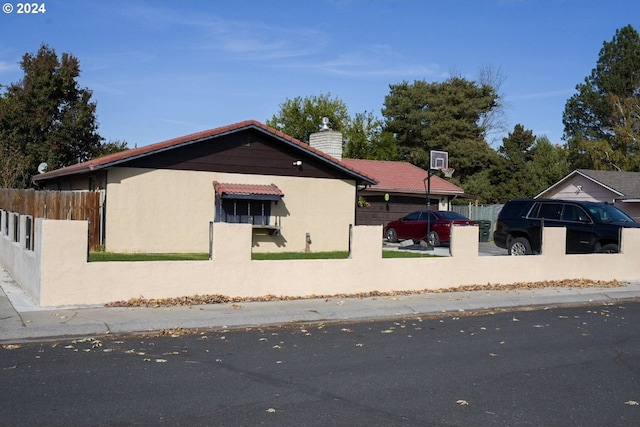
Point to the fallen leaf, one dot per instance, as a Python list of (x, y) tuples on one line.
[(462, 402), (11, 346), (387, 331), (271, 410), (632, 403)]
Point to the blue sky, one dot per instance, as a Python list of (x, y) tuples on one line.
[(161, 69)]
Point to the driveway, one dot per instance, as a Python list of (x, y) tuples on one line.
[(484, 249)]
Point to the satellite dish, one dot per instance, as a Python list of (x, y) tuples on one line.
[(42, 167)]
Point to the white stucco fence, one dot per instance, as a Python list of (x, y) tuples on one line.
[(56, 271)]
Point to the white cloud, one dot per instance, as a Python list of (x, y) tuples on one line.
[(8, 67)]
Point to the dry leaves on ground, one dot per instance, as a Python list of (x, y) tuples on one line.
[(222, 299)]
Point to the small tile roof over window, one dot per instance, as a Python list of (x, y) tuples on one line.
[(248, 191), (401, 177)]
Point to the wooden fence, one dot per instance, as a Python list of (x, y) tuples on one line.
[(67, 205)]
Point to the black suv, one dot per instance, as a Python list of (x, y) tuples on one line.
[(591, 227)]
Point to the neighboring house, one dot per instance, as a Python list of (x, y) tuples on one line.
[(621, 189), (163, 197), (401, 188)]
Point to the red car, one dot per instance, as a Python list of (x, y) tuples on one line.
[(414, 226)]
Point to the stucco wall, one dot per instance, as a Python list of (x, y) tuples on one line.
[(21, 263), (151, 210), (67, 278)]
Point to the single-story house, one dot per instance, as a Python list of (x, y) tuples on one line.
[(622, 189), (163, 197), (401, 188)]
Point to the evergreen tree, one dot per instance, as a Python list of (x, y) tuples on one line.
[(45, 117), (602, 120), (527, 166), (446, 116)]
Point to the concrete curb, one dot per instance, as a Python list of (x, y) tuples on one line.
[(33, 324)]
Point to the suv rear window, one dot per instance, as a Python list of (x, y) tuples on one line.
[(547, 211), (515, 209)]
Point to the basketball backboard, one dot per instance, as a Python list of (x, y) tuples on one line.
[(439, 160)]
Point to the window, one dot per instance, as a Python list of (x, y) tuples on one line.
[(256, 212), (247, 204), (574, 213), (549, 211), (6, 223), (28, 233), (413, 216), (16, 227)]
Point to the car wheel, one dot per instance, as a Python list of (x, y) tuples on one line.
[(519, 246), (609, 248), (391, 235), (433, 239)]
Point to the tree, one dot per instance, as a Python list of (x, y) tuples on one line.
[(549, 163), (527, 165), (512, 175), (46, 117), (493, 121), (441, 116), (112, 147), (364, 138), (300, 117), (602, 126)]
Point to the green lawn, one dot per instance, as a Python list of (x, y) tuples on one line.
[(111, 256)]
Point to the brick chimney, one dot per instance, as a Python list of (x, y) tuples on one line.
[(327, 140)]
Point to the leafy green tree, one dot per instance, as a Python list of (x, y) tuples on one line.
[(364, 138), (442, 116), (601, 120), (112, 147), (46, 117), (300, 117)]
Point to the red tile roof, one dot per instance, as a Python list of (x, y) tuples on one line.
[(247, 189), (121, 157), (401, 177)]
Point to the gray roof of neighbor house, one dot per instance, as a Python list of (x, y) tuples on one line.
[(625, 184), (120, 158)]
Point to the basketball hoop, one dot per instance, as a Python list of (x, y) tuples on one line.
[(448, 172)]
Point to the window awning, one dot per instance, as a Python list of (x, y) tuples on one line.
[(248, 191)]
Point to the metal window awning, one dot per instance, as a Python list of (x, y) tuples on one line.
[(248, 191)]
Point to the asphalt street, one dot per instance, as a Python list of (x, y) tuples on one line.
[(567, 366)]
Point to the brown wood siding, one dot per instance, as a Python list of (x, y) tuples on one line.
[(380, 212), (247, 152)]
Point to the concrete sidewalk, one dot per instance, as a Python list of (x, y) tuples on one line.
[(21, 320)]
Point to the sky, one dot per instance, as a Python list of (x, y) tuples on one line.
[(163, 69)]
